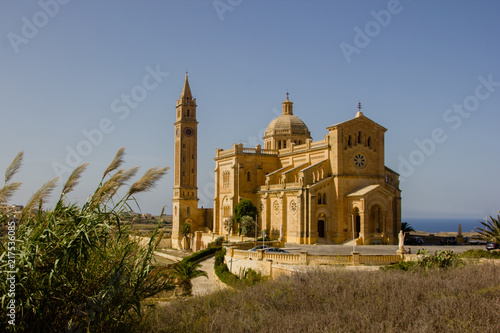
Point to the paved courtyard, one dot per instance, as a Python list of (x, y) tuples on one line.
[(374, 249)]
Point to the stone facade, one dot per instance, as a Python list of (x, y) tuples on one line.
[(306, 192), (185, 199), (313, 192)]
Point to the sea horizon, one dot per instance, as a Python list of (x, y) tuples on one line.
[(435, 225)]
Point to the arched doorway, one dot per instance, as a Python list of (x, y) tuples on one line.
[(321, 225), (357, 222)]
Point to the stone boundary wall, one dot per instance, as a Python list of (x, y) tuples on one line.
[(304, 258), (275, 264)]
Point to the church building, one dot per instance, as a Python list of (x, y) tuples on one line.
[(328, 191)]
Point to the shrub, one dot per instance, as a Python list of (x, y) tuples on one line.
[(251, 277), (226, 276), (441, 259), (248, 277), (479, 253), (78, 268), (402, 265), (217, 242), (222, 271), (201, 254), (219, 258)]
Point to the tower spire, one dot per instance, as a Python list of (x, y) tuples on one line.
[(186, 90)]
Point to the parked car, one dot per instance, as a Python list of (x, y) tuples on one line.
[(492, 246), (414, 241), (275, 250), (476, 241), (259, 247), (449, 241)]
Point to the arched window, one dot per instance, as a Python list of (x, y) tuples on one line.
[(248, 176), (359, 137), (226, 207), (284, 143), (225, 179), (349, 143), (279, 144), (369, 142), (324, 198), (320, 198), (188, 112)]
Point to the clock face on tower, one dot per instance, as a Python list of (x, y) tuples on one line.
[(189, 131)]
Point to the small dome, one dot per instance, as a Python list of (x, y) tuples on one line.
[(287, 124)]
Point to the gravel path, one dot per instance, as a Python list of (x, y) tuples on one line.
[(202, 285)]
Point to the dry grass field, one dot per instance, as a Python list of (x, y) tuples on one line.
[(463, 299)]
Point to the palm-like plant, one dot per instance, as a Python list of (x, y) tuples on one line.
[(491, 230), (406, 227), (186, 233), (185, 271)]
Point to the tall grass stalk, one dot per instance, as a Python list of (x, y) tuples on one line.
[(77, 268)]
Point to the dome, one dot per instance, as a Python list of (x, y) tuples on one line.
[(287, 124), (286, 130)]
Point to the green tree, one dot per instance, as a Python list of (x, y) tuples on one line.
[(247, 225), (244, 208), (79, 268), (406, 227), (491, 229), (185, 271), (229, 224)]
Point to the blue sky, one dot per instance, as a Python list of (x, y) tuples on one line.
[(428, 71)]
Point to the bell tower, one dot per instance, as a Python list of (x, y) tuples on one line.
[(185, 199)]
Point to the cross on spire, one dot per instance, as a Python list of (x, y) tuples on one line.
[(359, 113)]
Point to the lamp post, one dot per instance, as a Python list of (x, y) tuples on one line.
[(256, 225)]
